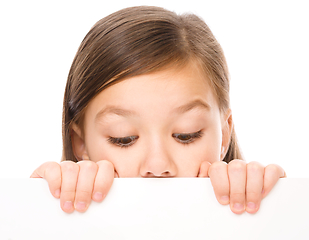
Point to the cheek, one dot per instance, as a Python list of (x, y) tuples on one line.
[(208, 148), (212, 150), (189, 160), (124, 160), (213, 142)]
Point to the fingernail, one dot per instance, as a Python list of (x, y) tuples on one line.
[(68, 205), (251, 205), (80, 206), (238, 206), (57, 193), (98, 196), (225, 199)]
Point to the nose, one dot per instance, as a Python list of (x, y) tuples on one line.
[(158, 162)]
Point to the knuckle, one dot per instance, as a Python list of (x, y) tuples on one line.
[(236, 166), (84, 193), (254, 167), (88, 165), (52, 168), (105, 164), (253, 195), (52, 174), (275, 170), (237, 196), (69, 166), (217, 167), (68, 194), (272, 169), (52, 165)]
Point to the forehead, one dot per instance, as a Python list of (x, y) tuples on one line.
[(157, 93)]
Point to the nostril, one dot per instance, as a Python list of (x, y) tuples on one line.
[(149, 174), (152, 175), (166, 174)]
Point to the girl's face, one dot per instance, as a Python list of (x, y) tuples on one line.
[(163, 124)]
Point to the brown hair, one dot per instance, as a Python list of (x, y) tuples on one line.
[(135, 41)]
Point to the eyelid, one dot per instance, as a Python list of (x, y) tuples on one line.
[(132, 139), (193, 136), (117, 141)]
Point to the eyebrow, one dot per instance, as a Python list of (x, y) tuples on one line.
[(191, 105), (114, 110), (127, 113)]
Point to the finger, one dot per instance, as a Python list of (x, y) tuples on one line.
[(116, 175), (70, 172), (203, 172), (104, 180), (220, 181), (271, 175), (237, 176), (51, 172), (255, 181), (87, 173)]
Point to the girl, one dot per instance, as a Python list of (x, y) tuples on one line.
[(148, 96)]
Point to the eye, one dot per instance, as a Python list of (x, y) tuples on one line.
[(123, 142), (187, 138)]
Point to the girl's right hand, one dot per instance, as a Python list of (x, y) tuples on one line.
[(77, 183)]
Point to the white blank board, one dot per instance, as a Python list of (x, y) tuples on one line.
[(178, 208)]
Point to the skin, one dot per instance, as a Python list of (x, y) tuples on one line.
[(163, 124)]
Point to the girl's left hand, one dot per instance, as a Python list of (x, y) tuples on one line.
[(241, 185)]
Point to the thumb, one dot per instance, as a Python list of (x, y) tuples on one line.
[(203, 171)]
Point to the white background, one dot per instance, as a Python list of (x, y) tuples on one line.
[(265, 43)]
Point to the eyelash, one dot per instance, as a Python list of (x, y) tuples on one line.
[(186, 139), (118, 141)]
